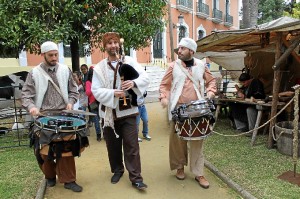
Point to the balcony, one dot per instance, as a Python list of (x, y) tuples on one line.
[(228, 20), (217, 16), (202, 10), (184, 5)]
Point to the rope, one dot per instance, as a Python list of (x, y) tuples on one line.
[(248, 132)]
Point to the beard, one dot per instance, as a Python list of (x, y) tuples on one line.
[(184, 57), (50, 63), (113, 52)]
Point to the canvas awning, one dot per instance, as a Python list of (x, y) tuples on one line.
[(268, 46), (260, 38)]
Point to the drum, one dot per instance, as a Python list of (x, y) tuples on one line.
[(194, 121), (64, 123), (61, 134)]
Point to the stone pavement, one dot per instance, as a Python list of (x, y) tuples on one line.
[(93, 171)]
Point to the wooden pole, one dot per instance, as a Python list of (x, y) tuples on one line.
[(295, 130), (171, 31), (287, 52), (276, 85)]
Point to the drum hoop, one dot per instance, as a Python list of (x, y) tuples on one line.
[(65, 129)]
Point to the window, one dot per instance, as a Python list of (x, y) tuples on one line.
[(200, 34), (182, 31)]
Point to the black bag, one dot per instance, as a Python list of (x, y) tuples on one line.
[(122, 106)]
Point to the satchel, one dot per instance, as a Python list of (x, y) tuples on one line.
[(122, 106)]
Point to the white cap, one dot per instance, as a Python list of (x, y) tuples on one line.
[(48, 46), (188, 43)]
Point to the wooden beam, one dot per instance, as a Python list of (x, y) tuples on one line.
[(288, 51), (294, 54), (276, 85)]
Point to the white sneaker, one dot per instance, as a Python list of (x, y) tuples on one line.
[(140, 140), (147, 137)]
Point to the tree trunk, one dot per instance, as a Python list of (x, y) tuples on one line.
[(75, 54), (253, 12), (246, 13)]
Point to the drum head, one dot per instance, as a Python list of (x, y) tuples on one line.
[(62, 123)]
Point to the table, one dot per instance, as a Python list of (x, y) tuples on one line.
[(260, 106)]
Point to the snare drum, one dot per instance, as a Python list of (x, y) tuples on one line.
[(64, 123), (64, 133), (194, 120)]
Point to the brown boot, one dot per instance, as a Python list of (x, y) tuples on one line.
[(180, 174), (202, 181)]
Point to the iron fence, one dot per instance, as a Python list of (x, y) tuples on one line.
[(14, 127)]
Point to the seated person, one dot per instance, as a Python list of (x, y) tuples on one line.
[(245, 115)]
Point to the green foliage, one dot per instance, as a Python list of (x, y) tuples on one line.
[(295, 12), (269, 10), (29, 23)]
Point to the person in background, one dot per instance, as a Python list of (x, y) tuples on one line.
[(177, 88), (50, 86), (244, 115), (143, 115), (84, 69), (93, 103), (119, 119), (82, 103)]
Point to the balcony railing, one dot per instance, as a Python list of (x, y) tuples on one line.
[(202, 10), (228, 20), (184, 5), (217, 16)]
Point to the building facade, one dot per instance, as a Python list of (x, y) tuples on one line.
[(198, 18)]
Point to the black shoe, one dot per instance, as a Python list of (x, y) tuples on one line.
[(98, 137), (116, 177), (51, 182), (139, 185), (73, 186)]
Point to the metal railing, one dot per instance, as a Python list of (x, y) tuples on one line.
[(203, 8), (228, 18), (217, 14), (185, 3), (14, 130)]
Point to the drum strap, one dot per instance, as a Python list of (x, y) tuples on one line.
[(191, 78), (50, 79)]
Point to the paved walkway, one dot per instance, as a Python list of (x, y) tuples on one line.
[(93, 171)]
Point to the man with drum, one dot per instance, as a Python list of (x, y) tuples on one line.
[(184, 81), (50, 86), (117, 111)]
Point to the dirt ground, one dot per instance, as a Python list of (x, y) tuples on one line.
[(93, 172)]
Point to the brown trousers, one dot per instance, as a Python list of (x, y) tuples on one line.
[(64, 168), (127, 130), (179, 150)]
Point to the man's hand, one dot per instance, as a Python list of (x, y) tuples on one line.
[(128, 84), (69, 106), (119, 93), (34, 111), (164, 102), (210, 95)]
